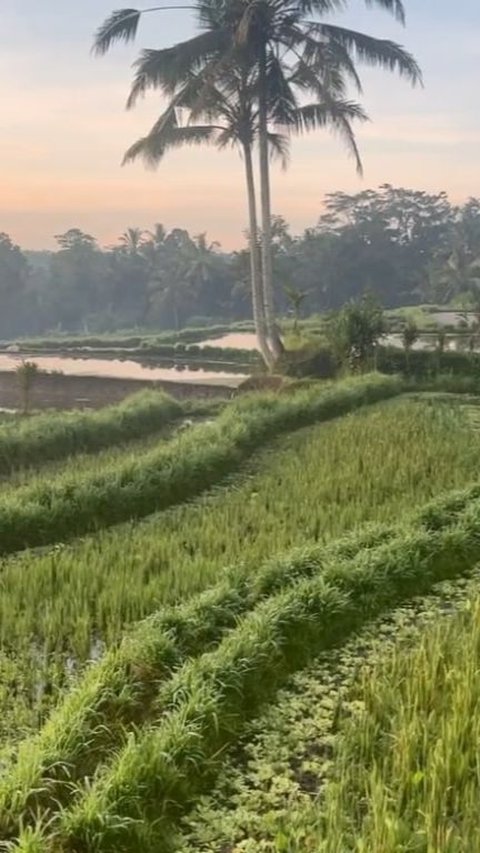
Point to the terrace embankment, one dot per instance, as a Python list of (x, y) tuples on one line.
[(58, 391)]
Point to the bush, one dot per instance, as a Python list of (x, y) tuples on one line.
[(423, 364), (311, 360)]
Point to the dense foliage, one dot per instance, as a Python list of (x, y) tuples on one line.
[(403, 246)]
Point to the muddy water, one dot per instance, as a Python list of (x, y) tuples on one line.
[(119, 369)]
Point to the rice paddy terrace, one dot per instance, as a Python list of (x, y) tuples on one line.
[(243, 626)]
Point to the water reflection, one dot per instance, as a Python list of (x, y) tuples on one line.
[(234, 340), (123, 369)]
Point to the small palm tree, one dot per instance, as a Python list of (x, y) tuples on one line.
[(132, 240), (296, 299), (26, 372)]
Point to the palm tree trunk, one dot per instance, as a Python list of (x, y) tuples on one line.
[(267, 266), (257, 296)]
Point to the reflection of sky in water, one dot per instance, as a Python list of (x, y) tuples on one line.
[(114, 368), (235, 340)]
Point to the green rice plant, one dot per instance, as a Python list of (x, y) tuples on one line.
[(44, 438), (271, 786), (407, 775), (47, 511), (59, 609), (119, 692), (70, 596), (135, 801)]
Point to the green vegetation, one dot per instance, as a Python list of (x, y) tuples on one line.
[(423, 793), (228, 620), (120, 692), (270, 791), (72, 504), (33, 442), (26, 373), (207, 701), (411, 450)]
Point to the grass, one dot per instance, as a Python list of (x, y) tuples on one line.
[(121, 691), (137, 799), (134, 338), (272, 785), (410, 452), (75, 503), (71, 601), (67, 599), (407, 775), (33, 442)]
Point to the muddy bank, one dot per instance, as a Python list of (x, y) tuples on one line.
[(58, 391)]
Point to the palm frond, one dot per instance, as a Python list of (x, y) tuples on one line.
[(332, 60), (280, 95), (321, 7), (279, 148), (165, 69), (372, 51), (152, 148), (336, 114), (396, 7), (121, 25)]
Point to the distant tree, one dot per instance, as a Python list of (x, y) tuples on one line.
[(410, 335), (26, 372), (132, 241), (354, 332), (16, 308), (79, 275), (296, 299)]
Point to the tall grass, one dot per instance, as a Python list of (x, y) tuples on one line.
[(118, 693), (407, 775), (59, 609), (135, 802), (409, 452), (72, 504), (33, 442)]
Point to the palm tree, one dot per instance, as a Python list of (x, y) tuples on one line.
[(237, 128), (234, 107), (132, 240), (296, 299), (273, 36)]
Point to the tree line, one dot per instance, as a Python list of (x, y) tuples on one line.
[(403, 246)]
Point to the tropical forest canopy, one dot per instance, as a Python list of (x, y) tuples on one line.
[(402, 245)]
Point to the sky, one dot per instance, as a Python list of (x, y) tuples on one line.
[(64, 127)]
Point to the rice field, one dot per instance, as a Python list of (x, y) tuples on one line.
[(30, 443), (247, 545), (305, 749), (73, 599)]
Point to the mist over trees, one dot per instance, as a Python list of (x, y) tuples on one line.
[(403, 246)]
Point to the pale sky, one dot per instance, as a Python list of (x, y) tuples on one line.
[(64, 127)]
